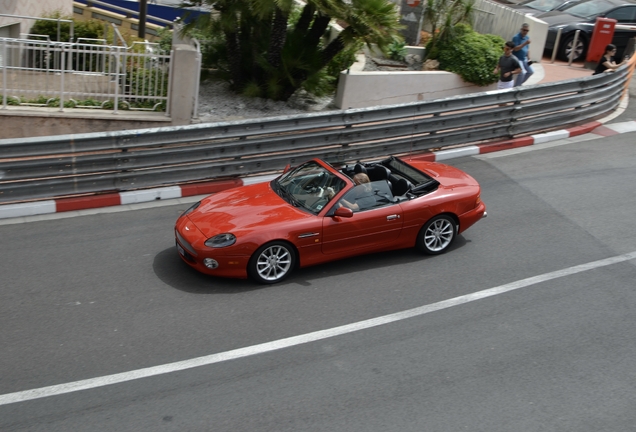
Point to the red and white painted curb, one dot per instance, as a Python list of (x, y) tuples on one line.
[(172, 192)]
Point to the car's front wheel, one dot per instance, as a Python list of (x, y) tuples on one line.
[(437, 235), (567, 46), (272, 262)]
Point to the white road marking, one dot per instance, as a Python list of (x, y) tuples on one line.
[(103, 210), (624, 127), (551, 136), (301, 339)]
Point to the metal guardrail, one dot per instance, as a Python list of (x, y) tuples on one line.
[(43, 168)]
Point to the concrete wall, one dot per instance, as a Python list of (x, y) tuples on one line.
[(20, 122), (367, 89), (497, 19), (359, 89), (32, 8), (33, 84), (186, 69)]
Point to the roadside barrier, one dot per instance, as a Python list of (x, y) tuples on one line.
[(33, 169)]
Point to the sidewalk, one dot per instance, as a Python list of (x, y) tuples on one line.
[(546, 71)]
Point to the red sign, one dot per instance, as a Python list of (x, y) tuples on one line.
[(413, 3)]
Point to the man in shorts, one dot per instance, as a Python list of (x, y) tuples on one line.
[(507, 67)]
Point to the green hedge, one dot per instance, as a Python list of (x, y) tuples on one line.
[(82, 29), (471, 55)]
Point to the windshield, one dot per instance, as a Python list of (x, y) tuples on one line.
[(543, 5), (310, 186), (589, 9)]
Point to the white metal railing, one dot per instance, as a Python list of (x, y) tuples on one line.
[(59, 21), (88, 73)]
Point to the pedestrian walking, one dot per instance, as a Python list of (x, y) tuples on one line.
[(522, 42), (507, 67)]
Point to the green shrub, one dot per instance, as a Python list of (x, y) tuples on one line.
[(165, 40), (471, 55), (82, 29), (397, 50)]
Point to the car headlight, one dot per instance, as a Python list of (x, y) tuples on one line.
[(221, 240), (191, 209)]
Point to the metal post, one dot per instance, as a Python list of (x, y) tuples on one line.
[(62, 73), (556, 45), (170, 78), (574, 42), (143, 9), (195, 113), (117, 66), (4, 74)]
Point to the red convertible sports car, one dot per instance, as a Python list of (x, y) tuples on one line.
[(316, 213)]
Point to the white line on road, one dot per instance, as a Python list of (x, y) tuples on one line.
[(59, 389)]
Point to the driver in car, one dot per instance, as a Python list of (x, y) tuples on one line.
[(361, 196)]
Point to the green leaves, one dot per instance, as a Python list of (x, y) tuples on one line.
[(471, 55), (82, 29), (271, 49), (397, 50)]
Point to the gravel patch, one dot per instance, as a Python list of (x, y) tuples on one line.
[(411, 63), (217, 103)]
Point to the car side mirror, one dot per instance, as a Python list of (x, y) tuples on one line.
[(287, 168), (343, 212)]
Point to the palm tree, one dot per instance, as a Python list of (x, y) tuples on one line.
[(372, 21), (441, 16), (268, 51)]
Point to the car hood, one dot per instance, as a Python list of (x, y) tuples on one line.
[(556, 18), (243, 209), (526, 10)]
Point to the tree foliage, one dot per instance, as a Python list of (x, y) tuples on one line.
[(456, 46), (82, 29), (270, 48), (471, 55), (442, 17)]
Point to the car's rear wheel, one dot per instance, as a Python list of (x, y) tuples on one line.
[(437, 235), (568, 45), (272, 262)]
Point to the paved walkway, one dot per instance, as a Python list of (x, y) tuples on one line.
[(546, 71)]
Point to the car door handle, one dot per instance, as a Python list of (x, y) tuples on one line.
[(392, 217), (305, 235)]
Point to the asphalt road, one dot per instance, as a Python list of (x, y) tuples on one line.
[(96, 295)]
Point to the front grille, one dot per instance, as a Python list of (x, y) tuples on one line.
[(184, 253), (184, 243)]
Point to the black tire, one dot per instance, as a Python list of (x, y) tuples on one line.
[(437, 235), (566, 47), (272, 262)]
